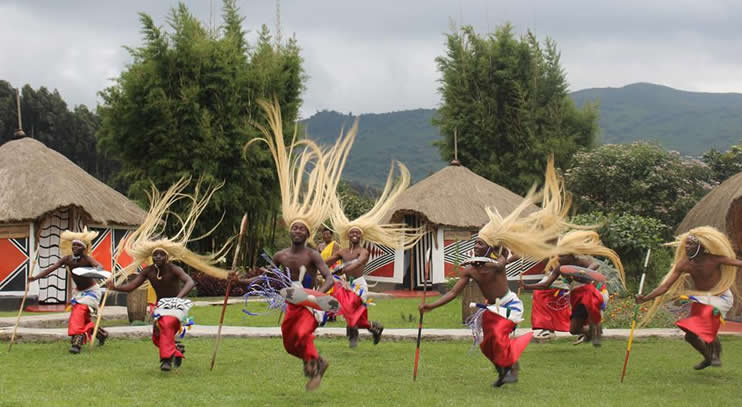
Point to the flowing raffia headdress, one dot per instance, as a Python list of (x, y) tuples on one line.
[(714, 242), (67, 238), (518, 233), (395, 235), (305, 198), (587, 242), (149, 236), (555, 203)]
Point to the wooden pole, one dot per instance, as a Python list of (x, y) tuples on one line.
[(23, 301), (420, 324), (243, 226), (633, 321)]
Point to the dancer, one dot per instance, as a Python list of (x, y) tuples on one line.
[(74, 247), (504, 310), (587, 297), (303, 208), (353, 292), (704, 271), (170, 282)]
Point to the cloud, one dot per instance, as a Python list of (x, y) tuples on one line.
[(379, 56)]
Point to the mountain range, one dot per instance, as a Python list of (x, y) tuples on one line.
[(688, 122)]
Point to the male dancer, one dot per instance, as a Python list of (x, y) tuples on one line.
[(503, 309), (353, 295), (165, 276), (74, 247), (586, 298), (304, 206), (704, 270)]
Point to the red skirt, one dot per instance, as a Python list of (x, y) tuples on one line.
[(297, 330), (80, 323), (351, 307), (497, 345), (163, 336), (550, 311), (591, 298), (701, 322)]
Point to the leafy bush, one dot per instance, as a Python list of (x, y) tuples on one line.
[(208, 286), (639, 178), (630, 236)]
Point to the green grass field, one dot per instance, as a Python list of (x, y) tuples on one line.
[(258, 372)]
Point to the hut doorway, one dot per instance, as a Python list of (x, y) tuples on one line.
[(414, 277)]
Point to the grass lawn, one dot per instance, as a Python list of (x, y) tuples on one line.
[(257, 372)]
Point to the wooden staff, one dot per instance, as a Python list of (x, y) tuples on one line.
[(23, 301), (633, 321), (420, 324), (243, 226), (119, 249)]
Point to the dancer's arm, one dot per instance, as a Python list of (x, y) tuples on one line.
[(326, 274), (185, 278), (131, 285), (544, 284), (662, 288), (449, 296), (61, 262)]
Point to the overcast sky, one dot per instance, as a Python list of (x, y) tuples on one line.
[(378, 56)]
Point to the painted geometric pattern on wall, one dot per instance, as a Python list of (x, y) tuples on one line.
[(14, 263), (380, 261), (456, 251)]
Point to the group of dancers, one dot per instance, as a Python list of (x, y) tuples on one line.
[(310, 282)]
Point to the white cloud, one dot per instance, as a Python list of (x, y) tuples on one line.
[(379, 56)]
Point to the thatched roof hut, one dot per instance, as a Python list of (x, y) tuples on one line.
[(42, 193), (450, 205), (722, 209), (36, 180), (455, 197)]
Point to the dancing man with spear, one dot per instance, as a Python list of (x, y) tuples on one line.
[(171, 313)]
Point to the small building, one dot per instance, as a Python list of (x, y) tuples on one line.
[(722, 209), (450, 204), (42, 193)]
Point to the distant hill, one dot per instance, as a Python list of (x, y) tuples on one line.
[(689, 122), (405, 136)]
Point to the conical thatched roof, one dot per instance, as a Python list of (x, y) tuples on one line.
[(455, 196), (720, 208), (35, 180)]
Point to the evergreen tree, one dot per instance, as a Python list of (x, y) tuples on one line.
[(507, 100), (185, 105)]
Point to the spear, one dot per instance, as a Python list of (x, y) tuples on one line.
[(243, 226), (420, 324), (23, 301), (633, 321)]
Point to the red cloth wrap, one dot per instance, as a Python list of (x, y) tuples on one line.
[(351, 307), (544, 314), (80, 323), (297, 331), (591, 298), (497, 344), (163, 336), (701, 322)]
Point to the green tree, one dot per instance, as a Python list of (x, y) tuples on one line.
[(184, 106), (507, 100), (639, 179), (724, 165), (47, 118)]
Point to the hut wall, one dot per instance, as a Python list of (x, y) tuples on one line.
[(385, 264), (54, 289), (16, 244)]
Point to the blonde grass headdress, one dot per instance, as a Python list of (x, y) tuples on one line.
[(393, 235), (67, 238), (587, 242), (714, 242), (520, 234), (148, 237), (306, 201), (555, 203)]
